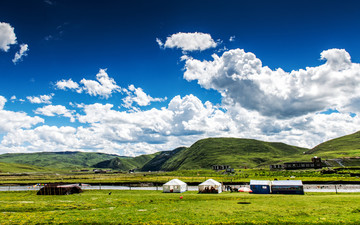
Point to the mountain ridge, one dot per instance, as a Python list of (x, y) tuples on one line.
[(235, 152)]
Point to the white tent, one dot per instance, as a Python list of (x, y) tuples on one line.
[(210, 186), (174, 186)]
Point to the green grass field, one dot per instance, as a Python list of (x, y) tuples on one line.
[(154, 207), (196, 176)]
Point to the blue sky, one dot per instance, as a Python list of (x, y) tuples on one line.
[(135, 77)]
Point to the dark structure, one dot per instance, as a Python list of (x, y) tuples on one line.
[(260, 186), (220, 167), (287, 187), (59, 189), (314, 164)]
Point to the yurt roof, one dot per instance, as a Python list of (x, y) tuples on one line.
[(210, 182), (175, 182)]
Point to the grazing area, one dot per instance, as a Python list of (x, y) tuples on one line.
[(154, 207)]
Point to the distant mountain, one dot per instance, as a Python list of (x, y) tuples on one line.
[(60, 160), (234, 152), (126, 163), (157, 163)]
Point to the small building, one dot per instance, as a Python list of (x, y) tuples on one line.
[(210, 186), (287, 187), (174, 186), (260, 186), (60, 189), (276, 167), (220, 167), (314, 164)]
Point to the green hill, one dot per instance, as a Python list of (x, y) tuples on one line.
[(234, 152), (348, 145), (20, 168), (126, 163), (344, 151), (156, 164), (60, 160)]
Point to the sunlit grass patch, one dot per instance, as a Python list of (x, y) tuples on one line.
[(155, 207)]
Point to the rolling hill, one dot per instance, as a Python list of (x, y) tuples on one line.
[(20, 168), (342, 151), (128, 163), (235, 152), (348, 145), (60, 160)]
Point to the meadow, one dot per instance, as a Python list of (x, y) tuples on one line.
[(194, 176), (155, 207)]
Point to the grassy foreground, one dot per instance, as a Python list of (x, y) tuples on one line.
[(154, 207)]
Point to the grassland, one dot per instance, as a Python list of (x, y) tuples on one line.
[(190, 176), (154, 207)]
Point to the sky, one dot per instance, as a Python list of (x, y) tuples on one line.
[(137, 77)]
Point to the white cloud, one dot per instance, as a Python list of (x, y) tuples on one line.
[(68, 84), (232, 38), (241, 79), (15, 120), (257, 102), (138, 96), (53, 110), (41, 99), (7, 36), (104, 86), (22, 52), (2, 102), (189, 41), (184, 121)]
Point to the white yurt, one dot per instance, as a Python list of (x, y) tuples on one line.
[(174, 186), (210, 186)]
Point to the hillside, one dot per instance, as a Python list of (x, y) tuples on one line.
[(231, 151), (339, 152), (156, 164), (235, 152), (60, 160), (346, 146), (126, 163), (20, 168)]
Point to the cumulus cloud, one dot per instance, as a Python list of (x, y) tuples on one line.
[(68, 84), (24, 48), (188, 41), (138, 96), (241, 79), (7, 36), (46, 99), (56, 110), (103, 86), (10, 120), (257, 102)]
